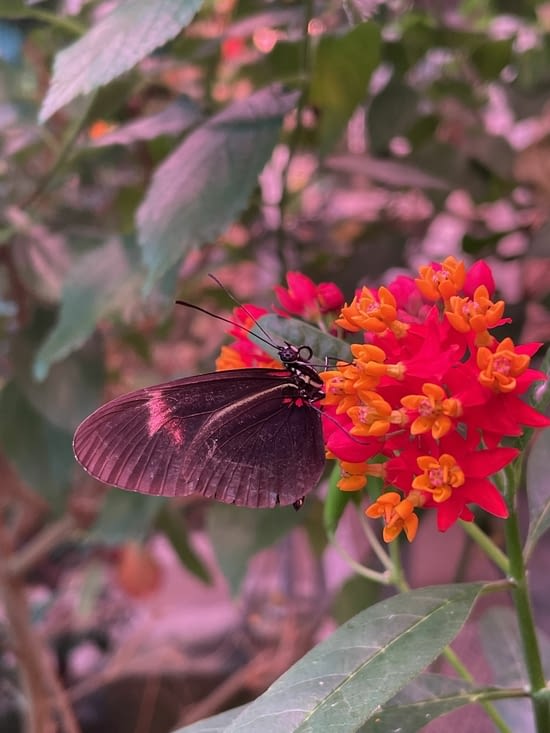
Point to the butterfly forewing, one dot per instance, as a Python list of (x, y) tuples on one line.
[(241, 436)]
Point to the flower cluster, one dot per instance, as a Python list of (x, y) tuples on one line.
[(429, 396)]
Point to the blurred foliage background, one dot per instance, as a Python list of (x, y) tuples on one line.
[(147, 143)]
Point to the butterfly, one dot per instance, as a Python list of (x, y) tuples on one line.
[(251, 437)]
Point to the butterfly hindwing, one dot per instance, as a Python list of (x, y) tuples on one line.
[(236, 436)]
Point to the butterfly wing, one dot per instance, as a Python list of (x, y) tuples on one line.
[(236, 436)]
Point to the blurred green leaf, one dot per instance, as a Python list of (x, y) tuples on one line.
[(380, 650), (341, 72), (238, 533), (170, 522), (199, 189), (172, 120), (356, 594), (125, 515), (115, 44), (40, 451), (73, 387), (101, 282), (390, 114), (491, 56)]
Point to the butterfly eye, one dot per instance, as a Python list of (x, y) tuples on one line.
[(305, 353)]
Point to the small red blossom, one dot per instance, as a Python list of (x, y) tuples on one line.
[(304, 298)]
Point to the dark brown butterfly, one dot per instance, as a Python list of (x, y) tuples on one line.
[(250, 437)]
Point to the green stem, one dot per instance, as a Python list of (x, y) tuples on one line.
[(58, 21), (522, 601), (456, 663), (381, 578), (487, 545)]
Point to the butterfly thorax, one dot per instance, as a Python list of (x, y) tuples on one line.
[(304, 376)]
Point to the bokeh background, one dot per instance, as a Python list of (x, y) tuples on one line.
[(356, 140)]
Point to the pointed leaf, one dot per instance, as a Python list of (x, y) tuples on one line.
[(101, 282), (171, 523), (172, 120), (121, 39), (341, 72), (199, 189), (341, 683), (299, 333), (538, 490)]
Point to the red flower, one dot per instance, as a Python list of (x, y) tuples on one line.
[(304, 298), (451, 474)]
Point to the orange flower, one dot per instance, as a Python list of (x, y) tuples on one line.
[(398, 514), (354, 475), (374, 417), (436, 283), (476, 314), (499, 368), (441, 476), (339, 388), (372, 313), (434, 409)]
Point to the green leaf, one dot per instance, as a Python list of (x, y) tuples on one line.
[(172, 120), (121, 39), (73, 387), (341, 72), (299, 333), (538, 490), (215, 724), (124, 516), (238, 533), (341, 684), (354, 596), (171, 523), (390, 114), (424, 699), (101, 282), (41, 452), (491, 56), (199, 189)]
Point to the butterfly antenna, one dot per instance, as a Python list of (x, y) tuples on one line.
[(226, 320), (245, 309)]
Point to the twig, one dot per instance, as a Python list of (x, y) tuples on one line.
[(40, 545), (37, 677), (32, 675)]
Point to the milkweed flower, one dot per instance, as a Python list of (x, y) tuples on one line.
[(431, 391)]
